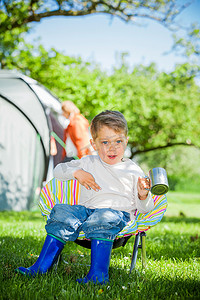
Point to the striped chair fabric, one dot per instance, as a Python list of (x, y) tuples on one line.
[(55, 192)]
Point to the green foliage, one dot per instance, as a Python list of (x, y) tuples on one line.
[(19, 13), (9, 44), (11, 37), (162, 110), (22, 15), (153, 103), (189, 45), (181, 163)]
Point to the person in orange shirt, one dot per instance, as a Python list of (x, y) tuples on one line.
[(76, 135)]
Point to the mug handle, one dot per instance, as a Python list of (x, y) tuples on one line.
[(149, 180)]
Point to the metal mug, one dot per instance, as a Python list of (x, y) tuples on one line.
[(158, 181)]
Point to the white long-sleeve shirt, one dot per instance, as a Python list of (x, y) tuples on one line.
[(118, 184)]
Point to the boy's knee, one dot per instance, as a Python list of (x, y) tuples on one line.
[(58, 212), (105, 217), (112, 217), (65, 213)]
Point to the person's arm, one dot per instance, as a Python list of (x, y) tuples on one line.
[(64, 154), (65, 171), (73, 170), (80, 135), (87, 180)]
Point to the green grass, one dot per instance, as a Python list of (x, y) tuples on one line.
[(173, 259), (185, 204)]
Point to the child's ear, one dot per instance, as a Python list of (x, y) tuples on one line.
[(127, 140), (93, 144)]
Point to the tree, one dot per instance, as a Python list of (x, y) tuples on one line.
[(16, 17), (155, 106), (182, 165), (189, 45), (9, 44), (16, 14), (162, 110)]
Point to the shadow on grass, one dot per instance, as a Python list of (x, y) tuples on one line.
[(17, 252), (36, 216), (181, 219), (159, 245), (24, 252), (166, 246)]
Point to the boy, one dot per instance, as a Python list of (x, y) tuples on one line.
[(112, 188)]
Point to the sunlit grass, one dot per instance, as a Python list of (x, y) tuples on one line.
[(173, 260), (183, 204)]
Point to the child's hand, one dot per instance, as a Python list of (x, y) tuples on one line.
[(87, 180), (143, 186)]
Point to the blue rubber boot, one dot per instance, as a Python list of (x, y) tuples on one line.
[(51, 249), (100, 261)]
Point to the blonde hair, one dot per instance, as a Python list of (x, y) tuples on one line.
[(69, 107), (110, 118)]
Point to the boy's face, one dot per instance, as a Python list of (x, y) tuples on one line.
[(110, 145)]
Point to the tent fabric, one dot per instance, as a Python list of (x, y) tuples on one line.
[(68, 192), (22, 96), (26, 113), (22, 159)]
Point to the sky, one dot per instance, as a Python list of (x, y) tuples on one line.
[(101, 39)]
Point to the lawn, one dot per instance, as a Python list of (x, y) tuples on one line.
[(173, 259)]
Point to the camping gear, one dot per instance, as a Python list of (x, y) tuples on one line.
[(158, 181), (28, 116), (68, 192)]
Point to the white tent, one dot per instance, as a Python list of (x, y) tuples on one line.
[(28, 115)]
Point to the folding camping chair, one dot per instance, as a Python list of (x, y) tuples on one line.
[(68, 192)]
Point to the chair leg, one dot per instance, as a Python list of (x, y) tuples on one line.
[(135, 252), (143, 248), (141, 236), (55, 266)]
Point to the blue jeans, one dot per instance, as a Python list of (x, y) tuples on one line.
[(66, 221)]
